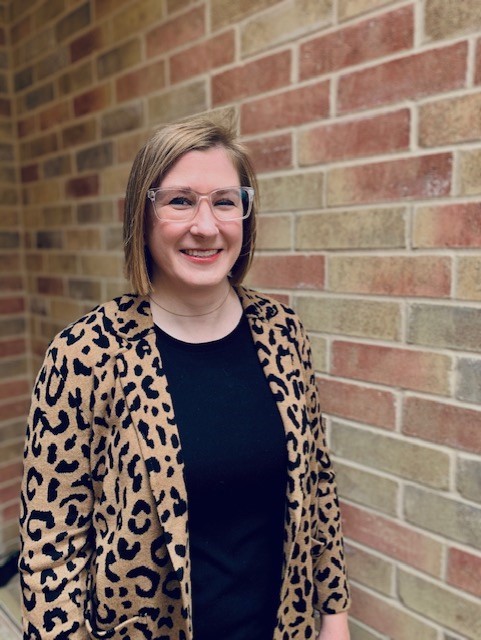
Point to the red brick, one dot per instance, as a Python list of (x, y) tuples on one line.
[(82, 187), (392, 538), (387, 617), (93, 100), (10, 283), (11, 305), (5, 107), (395, 367), (357, 138), (10, 471), (422, 177), (477, 75), (452, 225), (407, 78), (264, 74), (271, 153), (15, 409), (27, 126), (202, 57), (181, 30), (50, 286), (288, 271), (353, 45), (141, 81), (53, 116), (355, 402), (442, 423), (12, 389), (12, 347), (12, 512), (290, 108), (10, 492), (86, 44), (464, 571), (29, 173)]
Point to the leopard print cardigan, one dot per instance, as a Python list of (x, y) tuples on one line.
[(104, 513)]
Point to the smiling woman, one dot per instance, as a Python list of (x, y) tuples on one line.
[(177, 481)]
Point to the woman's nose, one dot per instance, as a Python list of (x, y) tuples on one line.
[(204, 222)]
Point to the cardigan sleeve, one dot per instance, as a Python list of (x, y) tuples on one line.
[(331, 591), (56, 502)]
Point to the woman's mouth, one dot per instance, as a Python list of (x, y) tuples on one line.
[(200, 253)]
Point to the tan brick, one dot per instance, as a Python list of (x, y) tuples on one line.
[(81, 133), (445, 18), (54, 115), (351, 8), (393, 366), (421, 177), (442, 423), (119, 59), (350, 316), (65, 311), (445, 516), (79, 78), (84, 289), (202, 57), (9, 240), (57, 216), (178, 103), (442, 605), (450, 121), (463, 571), (477, 73), (444, 326), (405, 78), (122, 119), (468, 386), (135, 17), (39, 146), (394, 539), (292, 192), (468, 478), (367, 488), (104, 7), (284, 22), (392, 454), (62, 263), (470, 172), (452, 225), (286, 109), (115, 288), (225, 12), (43, 192), (264, 74), (357, 138), (142, 81), (274, 232), (468, 286), (108, 265), (57, 166), (73, 22), (113, 238), (95, 212), (114, 180), (427, 276), (357, 402), (81, 239), (359, 632), (370, 570), (271, 153), (288, 271), (11, 368), (34, 46), (47, 12), (319, 352), (52, 63), (23, 78), (128, 145), (183, 29), (359, 229)]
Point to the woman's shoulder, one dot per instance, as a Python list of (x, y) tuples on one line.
[(268, 308)]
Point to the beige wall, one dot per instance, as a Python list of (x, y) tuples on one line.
[(363, 120)]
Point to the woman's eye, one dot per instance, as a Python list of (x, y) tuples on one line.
[(180, 201), (225, 202)]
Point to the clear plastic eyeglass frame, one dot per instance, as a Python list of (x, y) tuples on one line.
[(178, 204)]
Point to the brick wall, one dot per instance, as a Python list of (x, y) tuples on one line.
[(14, 379), (363, 119)]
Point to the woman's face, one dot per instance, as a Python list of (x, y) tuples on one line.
[(198, 253)]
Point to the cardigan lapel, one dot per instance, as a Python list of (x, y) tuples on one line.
[(280, 363), (150, 407)]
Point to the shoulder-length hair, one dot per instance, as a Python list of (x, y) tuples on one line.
[(159, 154)]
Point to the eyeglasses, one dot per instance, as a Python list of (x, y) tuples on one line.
[(177, 204)]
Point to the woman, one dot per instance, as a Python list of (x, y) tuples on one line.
[(177, 483)]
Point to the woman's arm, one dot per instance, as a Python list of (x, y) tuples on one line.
[(55, 520), (334, 627)]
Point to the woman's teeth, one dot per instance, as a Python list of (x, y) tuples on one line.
[(196, 253)]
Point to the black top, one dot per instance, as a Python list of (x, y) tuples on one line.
[(235, 456)]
